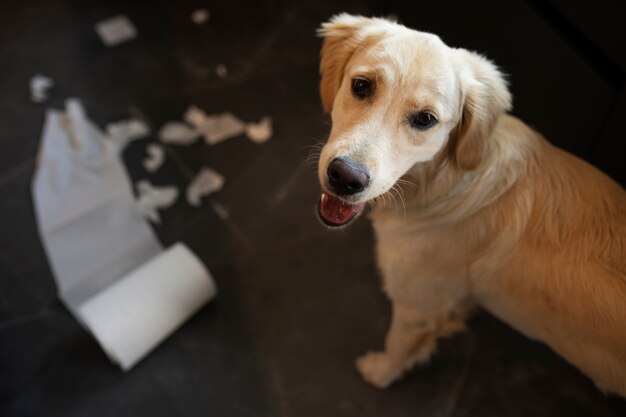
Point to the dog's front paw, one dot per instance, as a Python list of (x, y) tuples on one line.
[(378, 369)]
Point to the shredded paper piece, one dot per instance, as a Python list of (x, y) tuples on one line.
[(163, 196), (132, 129), (156, 157), (221, 71), (200, 16), (125, 131), (195, 116), (207, 181), (116, 30), (178, 133), (214, 128), (39, 86), (148, 209), (152, 198), (260, 132)]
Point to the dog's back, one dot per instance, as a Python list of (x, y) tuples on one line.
[(565, 280)]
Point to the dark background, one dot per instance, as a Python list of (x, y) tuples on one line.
[(297, 304)]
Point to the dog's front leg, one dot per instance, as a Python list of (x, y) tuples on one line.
[(411, 339)]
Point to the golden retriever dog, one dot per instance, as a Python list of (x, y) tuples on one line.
[(470, 206)]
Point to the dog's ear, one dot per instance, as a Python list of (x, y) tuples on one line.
[(485, 97), (342, 35)]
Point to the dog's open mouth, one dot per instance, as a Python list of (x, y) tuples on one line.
[(335, 212)]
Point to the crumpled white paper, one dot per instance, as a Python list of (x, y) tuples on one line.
[(39, 86), (206, 182), (178, 133), (124, 131), (95, 239), (155, 158), (200, 16), (260, 132), (116, 30), (214, 128), (152, 198), (221, 71)]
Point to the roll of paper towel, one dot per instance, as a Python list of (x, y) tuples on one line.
[(132, 316), (111, 271)]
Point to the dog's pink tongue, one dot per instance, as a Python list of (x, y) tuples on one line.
[(337, 211)]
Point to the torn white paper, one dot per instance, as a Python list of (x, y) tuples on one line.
[(148, 209), (125, 131), (200, 16), (178, 133), (116, 30), (221, 71), (152, 198), (214, 128), (195, 116), (222, 126), (96, 239), (39, 86), (162, 196), (155, 158), (207, 181), (260, 132)]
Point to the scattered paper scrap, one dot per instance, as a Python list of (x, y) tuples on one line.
[(163, 196), (207, 181), (260, 132), (200, 16), (195, 116), (148, 210), (131, 128), (222, 126), (39, 86), (152, 198), (215, 128), (178, 133), (125, 131), (116, 30), (155, 158), (221, 71)]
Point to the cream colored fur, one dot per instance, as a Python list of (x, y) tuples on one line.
[(478, 209)]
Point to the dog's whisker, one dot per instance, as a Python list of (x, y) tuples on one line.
[(401, 191), (401, 205), (387, 200), (393, 197), (405, 182), (312, 157), (401, 196)]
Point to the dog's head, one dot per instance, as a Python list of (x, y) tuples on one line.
[(398, 98)]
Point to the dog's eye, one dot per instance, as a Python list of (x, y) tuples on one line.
[(361, 87), (423, 121)]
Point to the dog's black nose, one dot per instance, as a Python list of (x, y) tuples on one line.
[(347, 178)]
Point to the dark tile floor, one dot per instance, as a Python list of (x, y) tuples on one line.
[(297, 304)]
